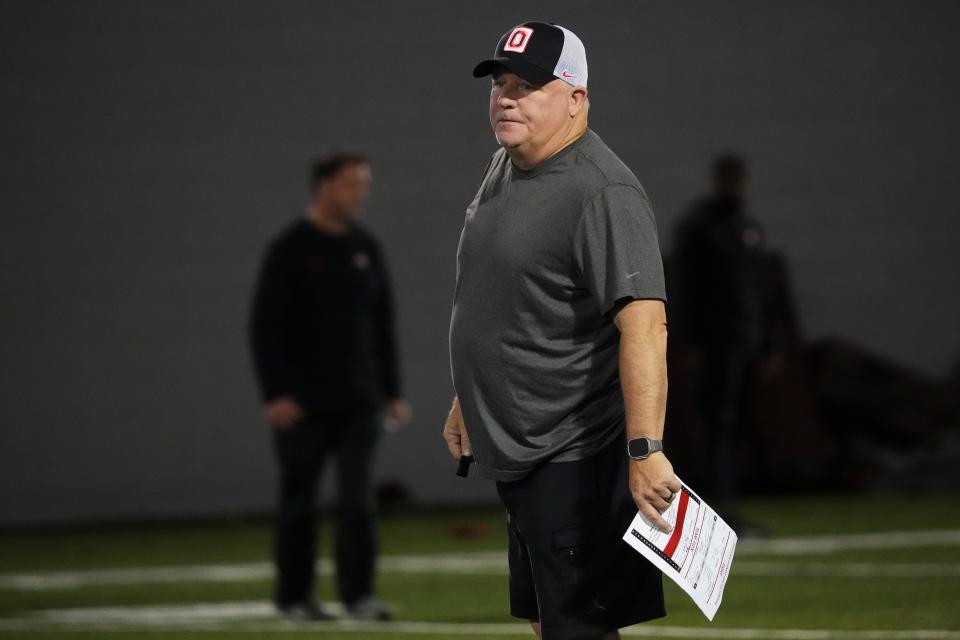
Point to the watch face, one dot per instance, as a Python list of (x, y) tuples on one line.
[(639, 448)]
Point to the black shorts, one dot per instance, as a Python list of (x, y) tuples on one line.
[(569, 566)]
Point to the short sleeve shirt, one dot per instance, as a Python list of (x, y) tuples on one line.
[(543, 256)]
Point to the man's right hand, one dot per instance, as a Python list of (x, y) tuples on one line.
[(455, 433), (282, 412)]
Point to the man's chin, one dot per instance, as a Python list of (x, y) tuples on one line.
[(509, 143), (348, 215)]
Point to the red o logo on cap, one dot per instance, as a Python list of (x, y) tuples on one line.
[(518, 39)]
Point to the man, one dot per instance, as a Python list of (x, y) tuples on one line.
[(727, 311), (323, 343), (557, 347)]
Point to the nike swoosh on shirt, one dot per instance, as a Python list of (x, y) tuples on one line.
[(566, 75), (630, 275)]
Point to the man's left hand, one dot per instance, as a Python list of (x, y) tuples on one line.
[(653, 486), (398, 414)]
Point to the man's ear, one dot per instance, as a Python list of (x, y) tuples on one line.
[(577, 100)]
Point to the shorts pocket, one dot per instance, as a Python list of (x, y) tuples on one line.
[(594, 570)]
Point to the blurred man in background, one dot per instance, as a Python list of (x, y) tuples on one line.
[(558, 347), (724, 275), (323, 341)]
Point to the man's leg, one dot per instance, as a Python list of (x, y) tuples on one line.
[(719, 391), (613, 635), (523, 592), (299, 452), (570, 517), (356, 546)]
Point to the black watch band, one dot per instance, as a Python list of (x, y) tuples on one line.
[(641, 448)]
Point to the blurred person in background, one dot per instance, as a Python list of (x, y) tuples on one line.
[(558, 347), (723, 269), (324, 347)]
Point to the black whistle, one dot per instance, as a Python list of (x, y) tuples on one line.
[(463, 467)]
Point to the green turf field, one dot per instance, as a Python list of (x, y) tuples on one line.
[(212, 581)]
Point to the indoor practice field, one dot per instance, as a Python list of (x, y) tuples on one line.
[(282, 273), (834, 567)]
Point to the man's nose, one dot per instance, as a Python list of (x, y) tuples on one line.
[(505, 101)]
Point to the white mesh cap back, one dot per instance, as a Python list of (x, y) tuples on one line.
[(572, 64)]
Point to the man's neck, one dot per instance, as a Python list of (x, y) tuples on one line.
[(325, 221), (527, 159)]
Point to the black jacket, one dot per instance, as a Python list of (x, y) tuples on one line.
[(321, 325), (723, 268)]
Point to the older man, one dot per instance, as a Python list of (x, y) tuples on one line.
[(558, 344)]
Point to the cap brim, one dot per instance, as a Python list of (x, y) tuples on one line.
[(522, 68)]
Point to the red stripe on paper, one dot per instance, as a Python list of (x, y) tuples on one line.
[(678, 529)]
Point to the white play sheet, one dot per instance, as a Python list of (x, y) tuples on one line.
[(698, 552)]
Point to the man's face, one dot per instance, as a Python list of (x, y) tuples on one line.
[(524, 113), (347, 191)]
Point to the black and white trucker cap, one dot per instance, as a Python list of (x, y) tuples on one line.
[(539, 52)]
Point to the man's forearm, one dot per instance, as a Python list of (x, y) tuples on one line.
[(643, 373), (269, 362)]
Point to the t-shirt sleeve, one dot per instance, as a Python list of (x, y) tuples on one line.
[(616, 248)]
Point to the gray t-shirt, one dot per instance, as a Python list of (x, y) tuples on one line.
[(543, 256)]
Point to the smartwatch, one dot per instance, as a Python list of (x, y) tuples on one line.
[(641, 448)]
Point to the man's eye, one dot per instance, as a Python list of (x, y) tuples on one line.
[(526, 86)]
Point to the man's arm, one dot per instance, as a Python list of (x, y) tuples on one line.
[(643, 378), (386, 334), (455, 432), (398, 409), (267, 328)]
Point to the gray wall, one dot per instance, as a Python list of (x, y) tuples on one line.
[(150, 148)]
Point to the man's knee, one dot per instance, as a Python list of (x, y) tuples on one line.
[(297, 496), (355, 517), (357, 499)]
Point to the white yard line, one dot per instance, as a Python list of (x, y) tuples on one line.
[(494, 562), (847, 569), (810, 545), (60, 580), (257, 617), (161, 614), (480, 562)]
